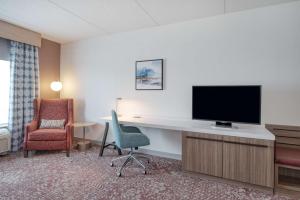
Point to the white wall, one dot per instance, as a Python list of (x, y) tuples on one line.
[(260, 46)]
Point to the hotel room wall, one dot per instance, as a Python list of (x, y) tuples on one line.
[(49, 62), (259, 46)]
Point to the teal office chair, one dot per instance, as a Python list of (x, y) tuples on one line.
[(128, 137)]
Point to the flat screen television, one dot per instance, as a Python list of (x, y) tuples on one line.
[(227, 104)]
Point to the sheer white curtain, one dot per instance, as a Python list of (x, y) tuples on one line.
[(4, 92), (4, 81)]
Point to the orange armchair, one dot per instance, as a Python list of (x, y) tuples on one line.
[(50, 139)]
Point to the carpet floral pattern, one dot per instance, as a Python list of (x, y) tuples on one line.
[(52, 175)]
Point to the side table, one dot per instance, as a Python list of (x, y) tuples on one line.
[(83, 145)]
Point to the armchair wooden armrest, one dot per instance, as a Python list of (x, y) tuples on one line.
[(69, 125), (69, 132)]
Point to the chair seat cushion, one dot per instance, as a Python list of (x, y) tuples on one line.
[(47, 135), (134, 140), (288, 156)]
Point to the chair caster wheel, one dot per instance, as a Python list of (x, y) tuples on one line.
[(111, 164), (145, 172), (119, 174)]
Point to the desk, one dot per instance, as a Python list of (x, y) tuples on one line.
[(243, 154), (247, 131)]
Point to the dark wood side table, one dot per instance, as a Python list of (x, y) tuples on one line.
[(104, 145)]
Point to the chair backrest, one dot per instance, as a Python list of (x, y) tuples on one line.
[(54, 109), (116, 129)]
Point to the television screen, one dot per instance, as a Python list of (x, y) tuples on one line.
[(227, 103)]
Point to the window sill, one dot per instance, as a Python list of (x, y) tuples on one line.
[(3, 125)]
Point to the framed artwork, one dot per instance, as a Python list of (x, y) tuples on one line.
[(149, 74)]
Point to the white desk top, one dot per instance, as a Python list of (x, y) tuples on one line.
[(247, 131)]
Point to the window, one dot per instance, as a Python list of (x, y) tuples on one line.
[(4, 91)]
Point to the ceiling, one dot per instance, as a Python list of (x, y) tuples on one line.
[(64, 21)]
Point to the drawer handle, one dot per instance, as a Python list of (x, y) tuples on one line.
[(199, 138), (255, 145)]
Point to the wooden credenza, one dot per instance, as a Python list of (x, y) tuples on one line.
[(242, 159), (244, 154)]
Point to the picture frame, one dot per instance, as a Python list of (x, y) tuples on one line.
[(149, 74)]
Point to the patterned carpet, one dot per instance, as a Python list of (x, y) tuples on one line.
[(85, 176)]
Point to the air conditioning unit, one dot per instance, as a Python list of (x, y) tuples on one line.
[(4, 141)]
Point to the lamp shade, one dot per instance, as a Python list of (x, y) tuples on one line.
[(56, 86)]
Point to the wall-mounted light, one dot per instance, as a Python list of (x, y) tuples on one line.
[(56, 86)]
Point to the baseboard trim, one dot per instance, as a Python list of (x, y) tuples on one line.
[(161, 154), (145, 151)]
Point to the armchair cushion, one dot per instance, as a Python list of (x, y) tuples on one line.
[(47, 135), (288, 156)]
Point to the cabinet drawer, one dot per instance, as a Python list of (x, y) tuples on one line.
[(203, 155), (248, 163)]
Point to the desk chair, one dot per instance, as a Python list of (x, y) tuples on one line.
[(128, 137)]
